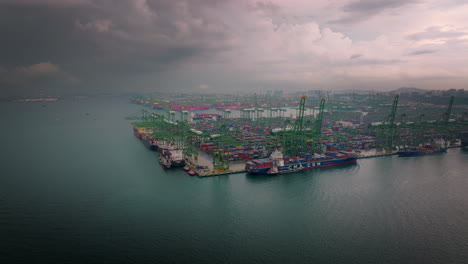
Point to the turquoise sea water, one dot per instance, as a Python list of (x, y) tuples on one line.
[(77, 187)]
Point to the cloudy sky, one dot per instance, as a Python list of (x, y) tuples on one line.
[(73, 46)]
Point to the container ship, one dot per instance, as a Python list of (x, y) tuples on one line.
[(464, 139), (279, 164), (171, 158), (145, 137), (421, 151), (157, 106)]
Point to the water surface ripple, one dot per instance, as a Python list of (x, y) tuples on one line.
[(78, 187)]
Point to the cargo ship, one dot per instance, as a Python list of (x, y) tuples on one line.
[(420, 151), (171, 158), (279, 164)]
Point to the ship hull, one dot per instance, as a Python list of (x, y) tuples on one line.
[(328, 163), (285, 170), (177, 163), (258, 170), (149, 144)]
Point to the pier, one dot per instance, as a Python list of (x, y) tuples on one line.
[(217, 144)]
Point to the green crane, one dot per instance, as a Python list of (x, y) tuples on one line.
[(284, 135), (445, 120), (140, 115), (300, 136), (390, 133), (318, 122), (221, 149), (386, 131), (317, 132)]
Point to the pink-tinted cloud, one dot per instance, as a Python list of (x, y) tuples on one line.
[(232, 44)]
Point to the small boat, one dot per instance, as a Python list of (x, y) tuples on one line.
[(186, 168), (191, 173)]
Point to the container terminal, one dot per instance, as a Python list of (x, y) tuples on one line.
[(275, 136)]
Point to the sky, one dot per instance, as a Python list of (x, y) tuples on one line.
[(228, 46)]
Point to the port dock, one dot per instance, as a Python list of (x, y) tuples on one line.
[(203, 166), (217, 144)]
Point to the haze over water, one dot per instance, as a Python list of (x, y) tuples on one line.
[(77, 187)]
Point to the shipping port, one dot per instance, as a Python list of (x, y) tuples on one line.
[(267, 134)]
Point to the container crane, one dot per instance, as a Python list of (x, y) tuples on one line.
[(386, 132)]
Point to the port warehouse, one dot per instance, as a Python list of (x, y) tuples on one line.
[(217, 144)]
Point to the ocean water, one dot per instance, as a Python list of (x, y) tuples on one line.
[(77, 187)]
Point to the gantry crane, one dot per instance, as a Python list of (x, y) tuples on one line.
[(386, 131), (299, 136)]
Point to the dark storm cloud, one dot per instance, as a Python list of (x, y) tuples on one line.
[(436, 33), (94, 40), (150, 45), (364, 9)]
